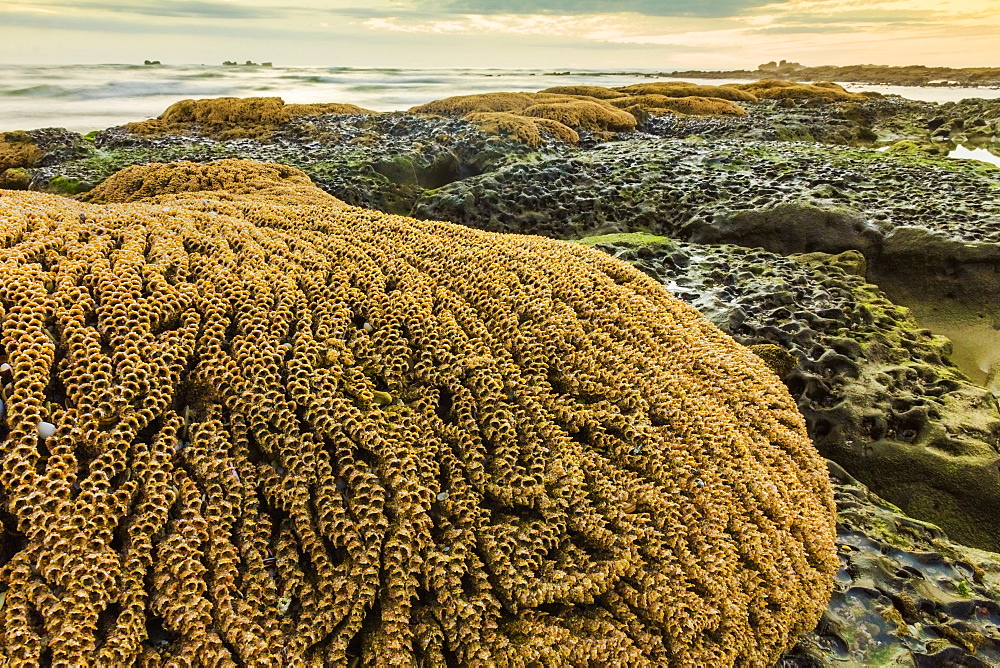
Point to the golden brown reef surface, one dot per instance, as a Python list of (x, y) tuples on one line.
[(284, 429), (234, 117)]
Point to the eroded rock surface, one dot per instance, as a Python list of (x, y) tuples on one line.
[(906, 594), (706, 192), (879, 393)]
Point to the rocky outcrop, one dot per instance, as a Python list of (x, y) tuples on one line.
[(906, 593), (879, 393), (786, 196)]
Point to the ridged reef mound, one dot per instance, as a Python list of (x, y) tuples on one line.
[(249, 424), (234, 117)]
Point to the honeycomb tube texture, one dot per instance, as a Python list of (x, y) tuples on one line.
[(292, 432)]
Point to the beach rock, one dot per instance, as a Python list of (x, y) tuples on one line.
[(683, 188), (24, 153), (952, 285), (793, 227), (879, 393), (383, 162), (906, 593), (846, 123), (939, 127), (16, 178), (18, 150)]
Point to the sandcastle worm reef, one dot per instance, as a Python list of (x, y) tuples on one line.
[(667, 386), (284, 429)]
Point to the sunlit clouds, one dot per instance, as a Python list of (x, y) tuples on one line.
[(640, 34)]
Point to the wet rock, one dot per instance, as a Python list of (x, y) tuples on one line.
[(879, 394), (16, 178), (383, 162), (792, 227), (835, 198), (952, 285), (906, 593)]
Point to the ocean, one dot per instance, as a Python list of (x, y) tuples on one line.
[(93, 97)]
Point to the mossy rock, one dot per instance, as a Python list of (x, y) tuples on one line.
[(680, 89), (62, 185), (15, 179), (530, 131), (851, 262), (690, 105), (776, 89), (337, 436), (779, 360), (460, 105), (584, 115), (18, 150), (631, 239), (570, 112), (597, 92), (911, 147)]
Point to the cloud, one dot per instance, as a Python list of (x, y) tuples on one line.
[(863, 16), (201, 9), (188, 8), (596, 27), (138, 26), (805, 29), (693, 8), (193, 9)]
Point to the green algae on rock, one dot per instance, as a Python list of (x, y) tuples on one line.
[(282, 429), (879, 394), (727, 190)]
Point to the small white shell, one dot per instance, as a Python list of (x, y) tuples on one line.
[(46, 429), (4, 367), (442, 496), (368, 327)]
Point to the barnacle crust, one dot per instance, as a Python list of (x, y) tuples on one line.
[(292, 432)]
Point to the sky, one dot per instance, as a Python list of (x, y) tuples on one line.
[(551, 34)]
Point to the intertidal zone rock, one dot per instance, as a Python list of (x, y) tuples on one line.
[(247, 424), (879, 393)]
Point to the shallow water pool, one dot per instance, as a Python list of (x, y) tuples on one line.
[(982, 154)]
